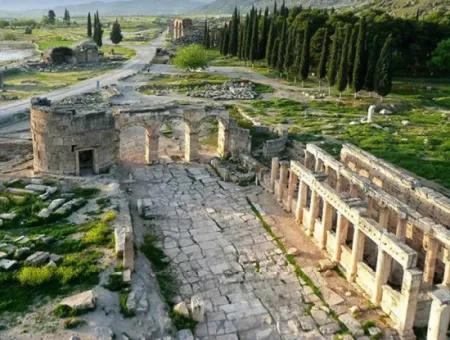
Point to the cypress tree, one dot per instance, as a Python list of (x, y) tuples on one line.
[(282, 47), (274, 55), (248, 35), (271, 39), (333, 61), (383, 74), (369, 79), (351, 54), (322, 66), (95, 34), (116, 33), (342, 76), (226, 39), (254, 39), (241, 46), (234, 33), (89, 25), (206, 39), (289, 53), (66, 18), (304, 60), (297, 54), (264, 35), (358, 66)]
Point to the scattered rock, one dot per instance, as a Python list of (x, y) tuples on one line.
[(405, 122), (374, 331), (131, 302), (325, 265), (354, 310), (182, 309), (36, 187), (227, 91), (197, 308), (104, 333), (293, 251), (20, 192), (185, 334), (74, 337), (56, 258), (3, 255), (385, 112), (37, 259), (8, 216), (7, 264), (80, 302)]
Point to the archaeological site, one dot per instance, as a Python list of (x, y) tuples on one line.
[(194, 177)]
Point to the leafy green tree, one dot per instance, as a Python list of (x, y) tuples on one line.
[(342, 76), (116, 33), (334, 56), (234, 33), (440, 58), (383, 74), (295, 67), (360, 57), (369, 79), (241, 46), (191, 57), (304, 60), (322, 66), (51, 17), (89, 25)]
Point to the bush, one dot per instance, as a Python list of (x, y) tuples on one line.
[(9, 36), (31, 276), (67, 274), (64, 311), (109, 216), (72, 323), (191, 57), (99, 234), (28, 30)]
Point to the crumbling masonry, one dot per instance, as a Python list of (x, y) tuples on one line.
[(384, 228)]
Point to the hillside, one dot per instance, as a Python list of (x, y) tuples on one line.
[(412, 7)]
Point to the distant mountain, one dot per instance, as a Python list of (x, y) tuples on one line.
[(105, 7)]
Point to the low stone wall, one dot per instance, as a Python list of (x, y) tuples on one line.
[(124, 238), (240, 141)]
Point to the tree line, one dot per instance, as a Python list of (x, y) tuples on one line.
[(347, 50), (95, 30)]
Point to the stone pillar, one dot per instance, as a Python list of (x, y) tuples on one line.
[(293, 180), (412, 279), (128, 254), (151, 144), (223, 144), (327, 220), (384, 217), (400, 231), (383, 270), (357, 253), (338, 183), (301, 201), (274, 172), (313, 212), (341, 236), (439, 315), (432, 247), (353, 190), (446, 259), (282, 184), (308, 160), (191, 142)]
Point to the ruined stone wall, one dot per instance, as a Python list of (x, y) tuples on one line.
[(240, 140), (58, 135), (399, 183)]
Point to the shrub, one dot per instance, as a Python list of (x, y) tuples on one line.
[(98, 234), (9, 36), (115, 282), (191, 57), (72, 323), (31, 276), (67, 274), (109, 216), (28, 30), (64, 311)]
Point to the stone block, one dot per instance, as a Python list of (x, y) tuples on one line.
[(37, 259), (80, 302)]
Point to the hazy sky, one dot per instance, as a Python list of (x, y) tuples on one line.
[(39, 4)]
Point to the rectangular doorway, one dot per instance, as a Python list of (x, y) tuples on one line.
[(86, 162)]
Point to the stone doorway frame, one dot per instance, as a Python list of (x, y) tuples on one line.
[(95, 167)]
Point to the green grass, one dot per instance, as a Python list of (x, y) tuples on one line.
[(118, 50)]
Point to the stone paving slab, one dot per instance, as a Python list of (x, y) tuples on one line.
[(220, 252)]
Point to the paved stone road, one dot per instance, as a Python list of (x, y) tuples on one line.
[(221, 252)]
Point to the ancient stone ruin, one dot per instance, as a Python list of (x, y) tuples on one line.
[(84, 53), (181, 28)]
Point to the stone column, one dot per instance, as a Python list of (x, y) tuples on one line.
[(357, 253), (338, 183), (341, 236), (446, 259), (384, 217), (191, 142), (223, 144), (274, 172), (308, 159), (151, 144), (412, 279), (327, 220), (400, 231), (301, 201), (313, 212), (282, 184), (353, 190), (432, 247), (383, 270), (439, 315), (293, 180)]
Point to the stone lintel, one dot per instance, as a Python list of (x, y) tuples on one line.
[(442, 295)]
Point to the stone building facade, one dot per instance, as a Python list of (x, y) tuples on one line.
[(383, 227), (181, 28)]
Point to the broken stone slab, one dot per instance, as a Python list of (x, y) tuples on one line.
[(1, 222), (293, 251), (37, 188), (182, 309), (104, 333), (56, 258), (8, 216), (131, 302), (68, 206), (21, 253), (55, 204), (325, 265), (126, 276), (9, 249), (352, 324), (80, 302), (44, 213), (20, 192), (37, 259), (197, 308), (185, 334), (7, 264), (3, 255)]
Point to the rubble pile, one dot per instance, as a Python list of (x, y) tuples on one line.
[(227, 91)]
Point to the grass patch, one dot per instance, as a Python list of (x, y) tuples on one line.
[(72, 323)]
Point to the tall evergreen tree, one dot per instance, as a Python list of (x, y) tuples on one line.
[(116, 33), (89, 25), (295, 67), (282, 47), (206, 37), (241, 46), (249, 31), (274, 55), (360, 56), (289, 53), (322, 66), (226, 39), (334, 56), (271, 38), (234, 33), (262, 45), (304, 60), (66, 18), (383, 74), (369, 79), (254, 38), (342, 76), (351, 54), (51, 17)]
